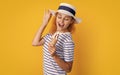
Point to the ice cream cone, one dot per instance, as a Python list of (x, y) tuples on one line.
[(54, 40)]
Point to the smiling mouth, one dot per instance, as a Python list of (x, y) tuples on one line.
[(61, 25)]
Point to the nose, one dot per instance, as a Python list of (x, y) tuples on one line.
[(62, 21)]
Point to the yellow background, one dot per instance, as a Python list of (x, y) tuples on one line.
[(97, 38)]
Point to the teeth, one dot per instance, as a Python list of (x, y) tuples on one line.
[(60, 25)]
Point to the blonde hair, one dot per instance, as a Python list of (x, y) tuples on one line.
[(53, 28)]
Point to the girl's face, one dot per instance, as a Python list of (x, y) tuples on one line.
[(63, 21)]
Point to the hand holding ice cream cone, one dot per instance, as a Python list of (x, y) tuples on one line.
[(52, 47)]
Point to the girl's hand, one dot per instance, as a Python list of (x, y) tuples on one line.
[(52, 49), (46, 17), (51, 45)]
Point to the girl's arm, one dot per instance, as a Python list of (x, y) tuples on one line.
[(37, 40), (66, 66)]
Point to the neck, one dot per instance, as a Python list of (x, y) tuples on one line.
[(63, 31)]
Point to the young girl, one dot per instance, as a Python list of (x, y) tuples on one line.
[(58, 45)]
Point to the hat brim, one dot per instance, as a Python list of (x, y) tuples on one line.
[(77, 20)]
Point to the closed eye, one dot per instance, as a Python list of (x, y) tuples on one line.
[(59, 17), (67, 19)]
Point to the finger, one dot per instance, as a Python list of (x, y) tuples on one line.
[(46, 11), (56, 36), (48, 44), (49, 11), (51, 45), (52, 12), (50, 49)]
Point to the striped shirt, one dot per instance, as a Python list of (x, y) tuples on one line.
[(64, 49)]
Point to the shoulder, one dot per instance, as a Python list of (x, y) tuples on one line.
[(67, 37), (68, 42), (46, 36)]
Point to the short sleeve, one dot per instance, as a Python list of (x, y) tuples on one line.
[(68, 48), (45, 37)]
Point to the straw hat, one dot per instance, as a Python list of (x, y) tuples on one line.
[(67, 9)]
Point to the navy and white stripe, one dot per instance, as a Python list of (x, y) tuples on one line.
[(65, 49)]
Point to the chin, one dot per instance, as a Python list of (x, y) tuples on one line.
[(59, 29)]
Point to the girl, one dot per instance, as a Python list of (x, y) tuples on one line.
[(58, 45)]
